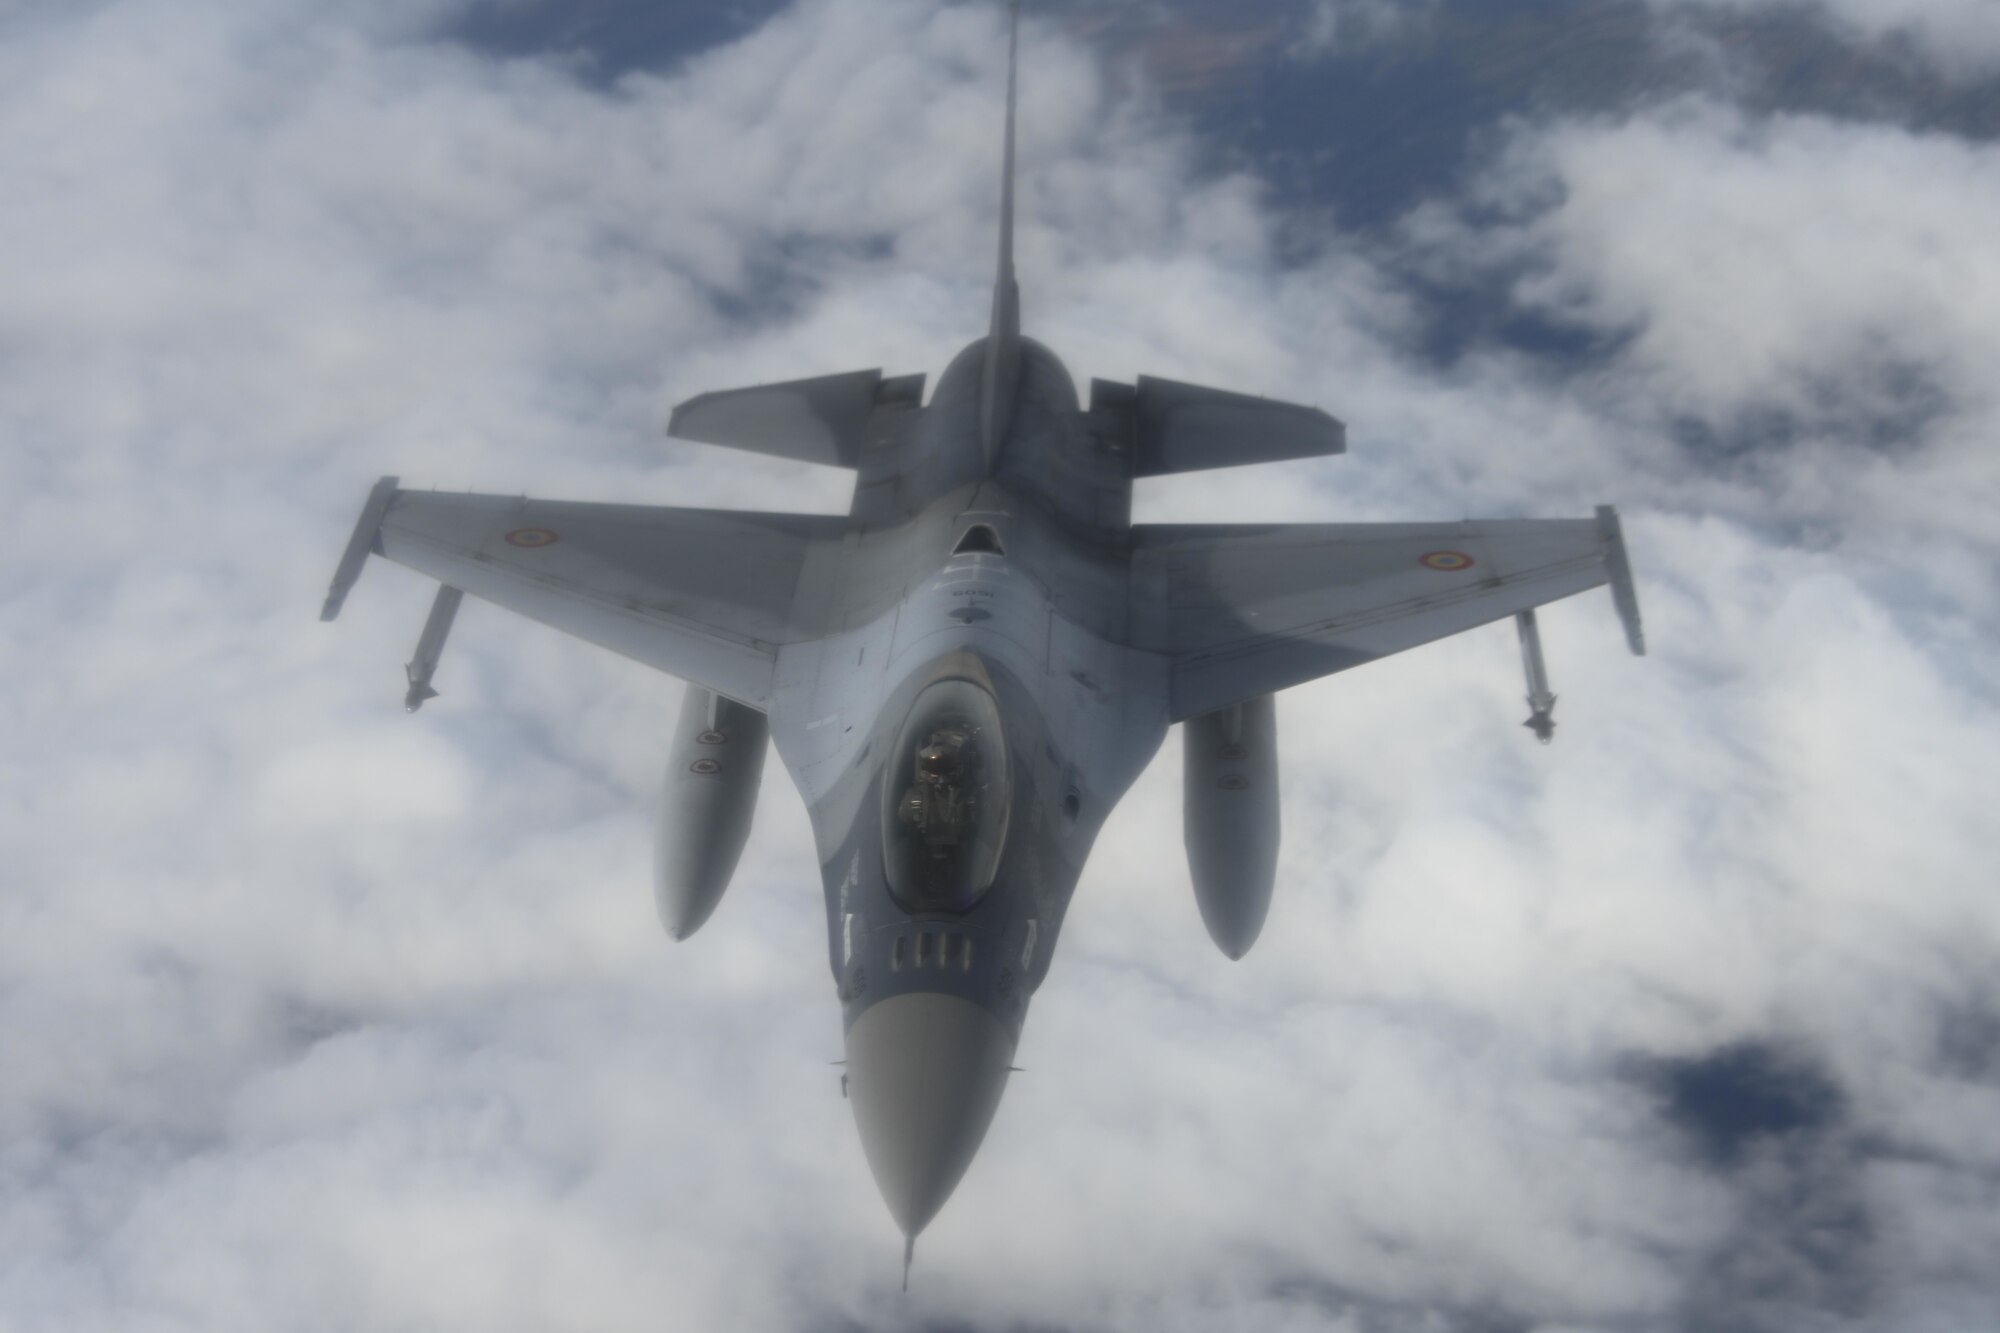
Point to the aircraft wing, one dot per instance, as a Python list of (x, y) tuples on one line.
[(708, 595), (1243, 610)]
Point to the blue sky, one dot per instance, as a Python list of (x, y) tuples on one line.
[(319, 1015)]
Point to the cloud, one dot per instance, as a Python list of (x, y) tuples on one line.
[(1960, 38), (318, 1013), (1767, 282)]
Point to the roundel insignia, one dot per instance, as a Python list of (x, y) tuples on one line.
[(704, 767), (531, 537), (1448, 561)]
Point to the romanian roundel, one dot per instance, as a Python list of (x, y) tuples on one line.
[(531, 537), (1449, 562)]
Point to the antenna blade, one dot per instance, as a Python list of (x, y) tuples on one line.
[(1007, 152)]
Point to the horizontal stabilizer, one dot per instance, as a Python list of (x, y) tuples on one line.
[(829, 419), (1179, 427)]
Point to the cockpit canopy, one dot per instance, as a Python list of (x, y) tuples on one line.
[(945, 797)]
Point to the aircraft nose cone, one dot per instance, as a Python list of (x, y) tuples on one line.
[(924, 1074)]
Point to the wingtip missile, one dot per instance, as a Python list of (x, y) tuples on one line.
[(1541, 700), (430, 647)]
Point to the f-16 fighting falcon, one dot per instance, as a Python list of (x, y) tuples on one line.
[(965, 672)]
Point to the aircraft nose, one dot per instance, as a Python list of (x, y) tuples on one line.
[(924, 1073)]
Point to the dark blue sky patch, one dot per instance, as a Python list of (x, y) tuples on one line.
[(1369, 128), (1372, 127), (1742, 1095), (1374, 132), (1883, 406), (1802, 1247), (612, 37), (1364, 132), (1349, 140), (1886, 403), (1800, 65), (1768, 1119), (1481, 313)]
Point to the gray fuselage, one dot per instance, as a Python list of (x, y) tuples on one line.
[(965, 673), (934, 994)]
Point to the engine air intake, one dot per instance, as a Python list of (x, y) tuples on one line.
[(979, 539)]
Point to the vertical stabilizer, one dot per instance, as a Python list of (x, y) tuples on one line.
[(1002, 373)]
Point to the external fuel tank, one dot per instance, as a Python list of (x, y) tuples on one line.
[(713, 772), (1231, 818)]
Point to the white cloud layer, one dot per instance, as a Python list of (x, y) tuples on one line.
[(320, 1016), (1838, 277)]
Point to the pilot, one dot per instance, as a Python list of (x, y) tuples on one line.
[(936, 803)]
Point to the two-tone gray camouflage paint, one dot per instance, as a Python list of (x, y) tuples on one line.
[(989, 542)]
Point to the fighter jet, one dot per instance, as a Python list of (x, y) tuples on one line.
[(965, 672)]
